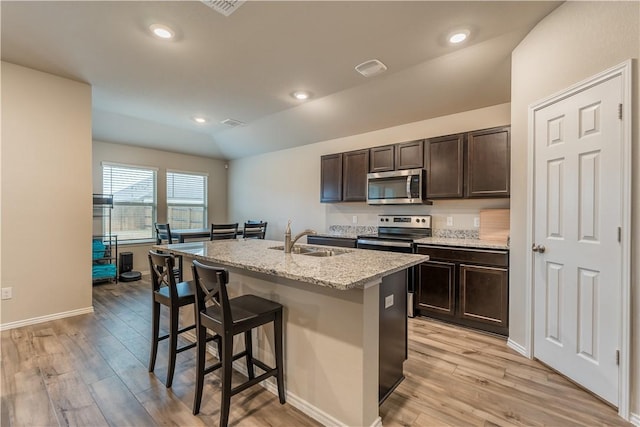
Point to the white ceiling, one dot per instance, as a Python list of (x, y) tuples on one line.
[(244, 67)]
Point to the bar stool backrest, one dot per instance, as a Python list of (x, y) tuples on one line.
[(161, 266), (211, 291)]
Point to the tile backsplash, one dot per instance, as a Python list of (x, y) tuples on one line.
[(450, 218)]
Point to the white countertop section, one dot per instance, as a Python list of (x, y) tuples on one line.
[(465, 243), (349, 270)]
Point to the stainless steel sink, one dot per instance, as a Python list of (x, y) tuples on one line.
[(317, 251)]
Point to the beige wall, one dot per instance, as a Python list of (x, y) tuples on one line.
[(163, 160), (46, 194), (576, 41), (286, 184)]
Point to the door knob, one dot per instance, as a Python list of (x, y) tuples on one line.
[(538, 248)]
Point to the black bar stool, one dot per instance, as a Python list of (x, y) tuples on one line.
[(228, 318), (165, 291), (163, 236)]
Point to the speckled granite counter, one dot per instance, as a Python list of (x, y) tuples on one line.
[(465, 243), (350, 270)]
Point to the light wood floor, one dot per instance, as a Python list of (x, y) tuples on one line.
[(91, 370)]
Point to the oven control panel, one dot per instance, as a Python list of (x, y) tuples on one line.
[(405, 221)]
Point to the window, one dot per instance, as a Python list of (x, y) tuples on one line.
[(186, 200), (134, 200)]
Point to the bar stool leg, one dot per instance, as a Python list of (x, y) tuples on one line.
[(200, 360), (227, 359), (249, 348), (155, 330), (277, 328), (173, 344)]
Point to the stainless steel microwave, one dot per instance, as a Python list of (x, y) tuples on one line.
[(396, 187)]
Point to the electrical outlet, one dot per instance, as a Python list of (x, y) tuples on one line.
[(449, 221), (7, 293), (354, 219), (476, 221), (388, 301)]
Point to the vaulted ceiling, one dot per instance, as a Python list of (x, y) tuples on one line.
[(245, 66)]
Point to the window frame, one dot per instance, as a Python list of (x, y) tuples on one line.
[(205, 203), (153, 205)]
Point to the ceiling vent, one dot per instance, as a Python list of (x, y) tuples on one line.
[(371, 68), (232, 122), (225, 7)]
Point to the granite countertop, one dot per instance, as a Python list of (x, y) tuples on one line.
[(353, 269), (465, 243)]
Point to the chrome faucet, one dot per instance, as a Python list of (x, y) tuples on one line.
[(288, 242)]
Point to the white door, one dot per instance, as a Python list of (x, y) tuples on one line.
[(577, 265)]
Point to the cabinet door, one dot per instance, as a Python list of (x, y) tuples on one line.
[(484, 295), (436, 288), (409, 155), (382, 158), (444, 161), (331, 178), (354, 175), (488, 163)]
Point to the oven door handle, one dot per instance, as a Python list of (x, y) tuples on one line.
[(385, 243)]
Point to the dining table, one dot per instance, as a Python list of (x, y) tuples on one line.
[(192, 233)]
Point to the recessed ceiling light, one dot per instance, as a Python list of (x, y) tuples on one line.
[(162, 31), (301, 95), (458, 36), (199, 120)]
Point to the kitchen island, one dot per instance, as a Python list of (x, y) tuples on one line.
[(345, 320)]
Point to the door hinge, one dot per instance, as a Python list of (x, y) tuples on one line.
[(619, 234), (618, 357), (620, 111)]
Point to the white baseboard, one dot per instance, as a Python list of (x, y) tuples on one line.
[(635, 419), (517, 347), (47, 318), (292, 399)]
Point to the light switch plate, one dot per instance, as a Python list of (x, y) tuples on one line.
[(7, 293), (354, 219), (476, 221), (449, 221)]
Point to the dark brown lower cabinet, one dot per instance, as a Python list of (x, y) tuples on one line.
[(465, 286)]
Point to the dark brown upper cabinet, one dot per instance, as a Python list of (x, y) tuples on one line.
[(343, 176), (382, 158), (355, 166), (409, 155), (331, 178), (444, 161), (488, 163)]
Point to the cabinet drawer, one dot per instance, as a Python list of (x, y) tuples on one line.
[(497, 258)]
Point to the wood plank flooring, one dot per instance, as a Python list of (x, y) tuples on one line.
[(91, 370)]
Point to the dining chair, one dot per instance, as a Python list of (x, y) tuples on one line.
[(254, 229), (163, 236), (228, 317), (224, 231), (166, 291)]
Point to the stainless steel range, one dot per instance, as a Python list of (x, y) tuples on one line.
[(397, 233)]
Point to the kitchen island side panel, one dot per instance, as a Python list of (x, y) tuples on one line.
[(331, 345)]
